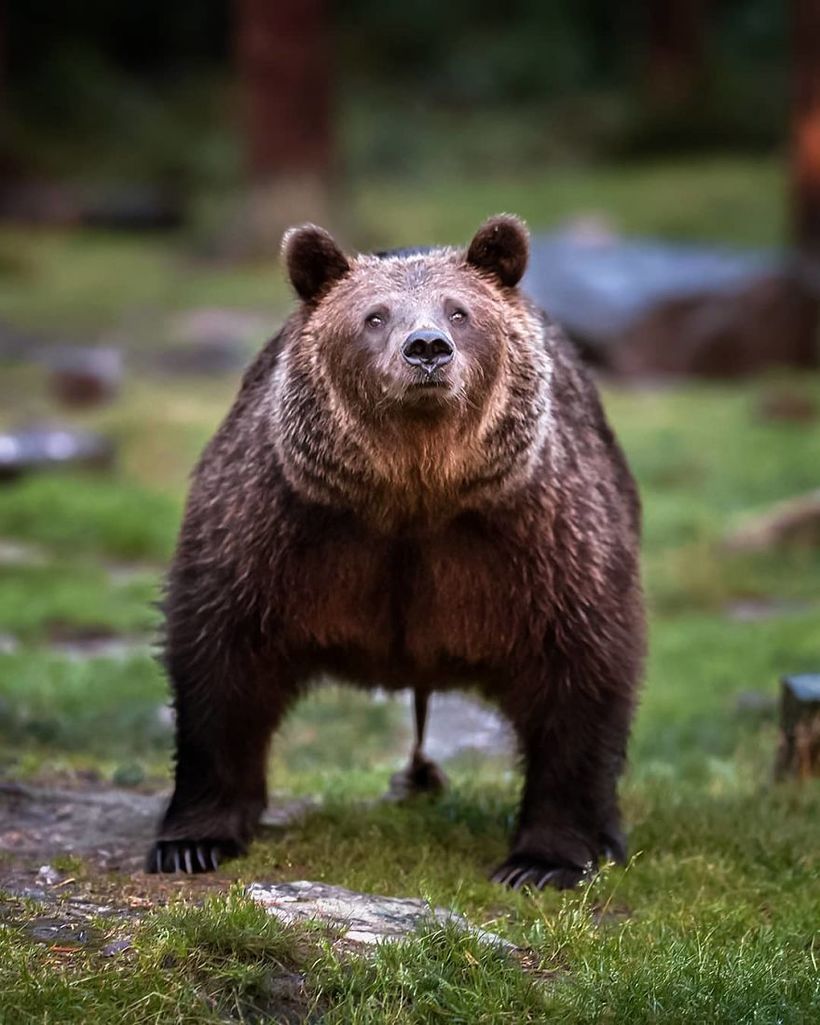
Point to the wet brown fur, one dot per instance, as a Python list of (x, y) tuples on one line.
[(486, 538)]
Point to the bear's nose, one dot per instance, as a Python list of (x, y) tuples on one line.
[(428, 350)]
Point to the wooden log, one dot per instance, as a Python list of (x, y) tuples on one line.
[(799, 752)]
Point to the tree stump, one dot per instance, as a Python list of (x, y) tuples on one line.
[(799, 752)]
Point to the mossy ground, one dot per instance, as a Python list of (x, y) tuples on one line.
[(716, 917)]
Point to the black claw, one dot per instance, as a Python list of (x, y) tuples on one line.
[(613, 847), (190, 856), (522, 870), (502, 874), (517, 877), (545, 878)]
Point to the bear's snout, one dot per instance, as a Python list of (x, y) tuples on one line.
[(427, 350)]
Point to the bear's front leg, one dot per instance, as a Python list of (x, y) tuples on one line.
[(226, 713), (572, 719)]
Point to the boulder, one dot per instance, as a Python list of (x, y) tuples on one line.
[(792, 523), (643, 307)]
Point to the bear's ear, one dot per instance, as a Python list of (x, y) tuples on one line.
[(313, 260), (501, 247)]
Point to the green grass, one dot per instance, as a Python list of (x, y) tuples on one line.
[(724, 959), (86, 514), (715, 919), (64, 599), (738, 201), (95, 282)]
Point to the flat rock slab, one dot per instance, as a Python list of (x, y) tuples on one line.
[(111, 826), (362, 918)]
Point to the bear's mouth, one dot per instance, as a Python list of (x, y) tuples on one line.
[(433, 391), (430, 390)]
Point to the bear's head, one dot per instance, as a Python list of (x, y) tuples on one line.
[(419, 364)]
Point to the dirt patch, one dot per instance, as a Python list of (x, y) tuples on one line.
[(109, 828), (115, 826)]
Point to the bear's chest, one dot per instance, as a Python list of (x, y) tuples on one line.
[(460, 597)]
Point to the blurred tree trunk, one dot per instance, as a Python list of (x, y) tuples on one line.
[(806, 125), (805, 162), (676, 52), (5, 158), (282, 50)]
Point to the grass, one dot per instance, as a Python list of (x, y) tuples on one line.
[(715, 919), (726, 200), (99, 284)]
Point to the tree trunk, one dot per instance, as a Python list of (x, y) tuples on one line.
[(805, 162), (676, 52), (806, 125), (282, 51)]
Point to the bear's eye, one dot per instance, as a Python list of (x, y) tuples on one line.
[(374, 320), (458, 316)]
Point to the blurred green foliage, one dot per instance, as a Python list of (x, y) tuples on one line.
[(417, 87)]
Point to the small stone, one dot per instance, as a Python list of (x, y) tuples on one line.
[(8, 644), (47, 875), (15, 553), (82, 377), (117, 947)]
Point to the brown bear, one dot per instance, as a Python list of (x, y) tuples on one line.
[(415, 488)]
